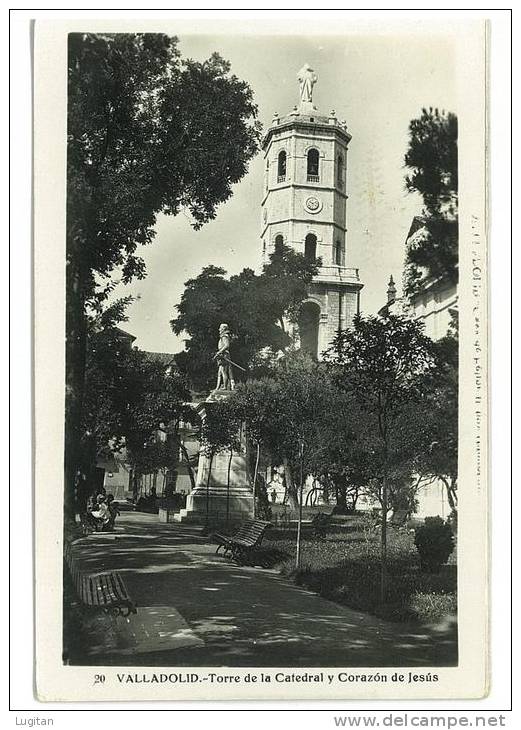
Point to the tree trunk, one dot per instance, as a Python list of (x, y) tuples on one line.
[(75, 356), (207, 521), (136, 476), (255, 473), (188, 465), (452, 494), (326, 490), (383, 550), (228, 487), (290, 486), (341, 497), (299, 525), (354, 498)]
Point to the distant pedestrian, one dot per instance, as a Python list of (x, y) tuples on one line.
[(113, 508)]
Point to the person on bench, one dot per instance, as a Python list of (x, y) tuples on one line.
[(99, 517)]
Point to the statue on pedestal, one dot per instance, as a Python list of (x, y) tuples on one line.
[(225, 379)]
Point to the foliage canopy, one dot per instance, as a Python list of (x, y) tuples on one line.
[(254, 306), (432, 158)]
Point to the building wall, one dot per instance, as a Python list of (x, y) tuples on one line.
[(434, 306)]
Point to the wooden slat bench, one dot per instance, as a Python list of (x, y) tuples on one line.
[(245, 543), (106, 591)]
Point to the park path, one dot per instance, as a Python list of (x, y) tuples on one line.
[(199, 609)]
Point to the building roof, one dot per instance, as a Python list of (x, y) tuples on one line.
[(124, 335), (417, 222), (163, 358)]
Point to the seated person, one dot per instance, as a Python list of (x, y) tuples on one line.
[(99, 516)]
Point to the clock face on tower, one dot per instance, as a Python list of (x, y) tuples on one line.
[(313, 204)]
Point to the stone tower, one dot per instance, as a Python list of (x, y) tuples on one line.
[(304, 206)]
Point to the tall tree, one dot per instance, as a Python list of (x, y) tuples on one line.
[(285, 282), (381, 362), (254, 306), (284, 412), (432, 159), (148, 132), (128, 397), (440, 421)]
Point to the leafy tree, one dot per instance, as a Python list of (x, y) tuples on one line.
[(381, 362), (128, 397), (440, 459), (285, 412), (334, 456), (348, 462), (102, 415), (148, 132), (254, 306), (153, 399), (432, 158), (285, 282), (254, 402)]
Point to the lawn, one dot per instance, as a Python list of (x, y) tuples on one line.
[(345, 567)]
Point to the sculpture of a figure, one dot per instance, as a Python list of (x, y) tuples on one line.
[(307, 79), (225, 379)]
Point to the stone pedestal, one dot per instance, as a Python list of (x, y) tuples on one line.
[(234, 502)]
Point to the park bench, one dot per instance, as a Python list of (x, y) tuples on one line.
[(244, 544), (398, 519), (106, 591)]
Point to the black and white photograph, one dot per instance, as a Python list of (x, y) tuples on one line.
[(269, 282)]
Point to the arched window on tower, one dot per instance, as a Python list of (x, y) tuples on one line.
[(312, 167), (279, 241), (310, 247), (340, 171), (281, 167)]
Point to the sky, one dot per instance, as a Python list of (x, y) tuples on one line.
[(377, 83)]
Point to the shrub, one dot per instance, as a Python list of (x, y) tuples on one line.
[(434, 542), (263, 510), (433, 606)]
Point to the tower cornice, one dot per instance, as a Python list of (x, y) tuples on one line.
[(304, 186), (309, 221), (297, 123)]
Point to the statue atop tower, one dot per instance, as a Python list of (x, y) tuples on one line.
[(307, 79)]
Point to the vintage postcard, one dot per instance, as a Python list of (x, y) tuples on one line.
[(261, 359)]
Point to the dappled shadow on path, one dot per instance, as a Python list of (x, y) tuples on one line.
[(248, 616)]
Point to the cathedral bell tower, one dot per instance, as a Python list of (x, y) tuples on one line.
[(304, 207)]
